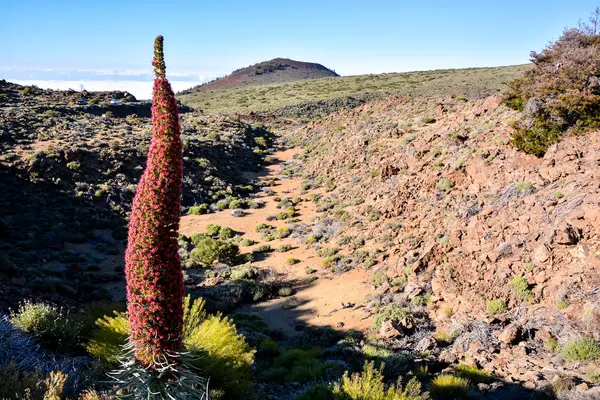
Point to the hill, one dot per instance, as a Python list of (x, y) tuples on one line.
[(471, 83), (277, 70)]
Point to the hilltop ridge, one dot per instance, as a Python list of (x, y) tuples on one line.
[(276, 70)]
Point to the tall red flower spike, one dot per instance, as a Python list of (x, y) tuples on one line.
[(152, 266)]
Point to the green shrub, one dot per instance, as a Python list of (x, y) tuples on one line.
[(305, 185), (379, 278), (261, 141), (395, 362), (369, 385), (495, 307), (209, 250), (582, 349), (284, 248), (282, 215), (521, 288), (246, 242), (246, 272), (444, 184), (282, 232), (285, 292), (263, 248), (49, 324), (448, 386), (198, 210), (217, 349), (108, 339), (73, 165), (560, 94), (562, 304), (292, 261), (226, 233), (473, 374), (222, 204), (223, 354), (237, 203), (213, 230)]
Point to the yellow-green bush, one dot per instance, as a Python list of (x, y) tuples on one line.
[(222, 353), (369, 385), (108, 339), (582, 349), (448, 386), (496, 306), (473, 374), (217, 349)]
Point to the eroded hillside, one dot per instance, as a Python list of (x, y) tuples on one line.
[(466, 226)]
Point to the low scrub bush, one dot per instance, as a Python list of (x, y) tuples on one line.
[(263, 248), (50, 325), (494, 307), (448, 386), (473, 374), (444, 184), (209, 250), (198, 210), (561, 93), (521, 288), (582, 349), (369, 385)]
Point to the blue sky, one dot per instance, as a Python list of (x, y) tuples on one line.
[(215, 37)]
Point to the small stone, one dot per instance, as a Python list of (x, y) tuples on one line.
[(529, 385), (388, 330), (504, 249), (511, 334), (425, 344)]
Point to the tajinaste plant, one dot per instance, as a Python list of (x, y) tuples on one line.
[(154, 366)]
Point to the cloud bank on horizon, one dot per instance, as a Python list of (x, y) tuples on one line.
[(139, 83)]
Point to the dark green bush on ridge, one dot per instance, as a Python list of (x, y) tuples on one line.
[(561, 93)]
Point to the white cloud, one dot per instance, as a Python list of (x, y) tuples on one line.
[(140, 89), (146, 75)]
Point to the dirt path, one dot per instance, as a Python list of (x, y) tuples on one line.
[(320, 302)]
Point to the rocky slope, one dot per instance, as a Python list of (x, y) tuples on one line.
[(467, 226), (68, 175)]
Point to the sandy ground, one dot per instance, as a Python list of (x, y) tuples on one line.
[(318, 303)]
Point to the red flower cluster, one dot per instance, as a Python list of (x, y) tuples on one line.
[(152, 266)]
